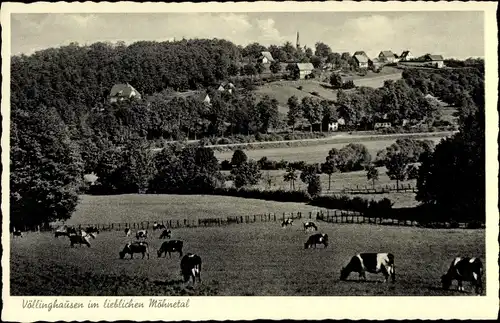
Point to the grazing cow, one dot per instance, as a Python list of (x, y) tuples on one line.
[(286, 222), (310, 225), (92, 229), (158, 226), (315, 239), (82, 238), (135, 247), (171, 246), (17, 233), (464, 269), (191, 267), (64, 231), (71, 231), (370, 262), (166, 234), (61, 233), (141, 234), (128, 232)]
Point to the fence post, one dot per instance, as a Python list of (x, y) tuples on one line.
[(283, 216), (274, 217), (310, 215)]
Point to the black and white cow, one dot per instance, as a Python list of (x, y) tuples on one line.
[(169, 247), (17, 233), (315, 239), (370, 262), (310, 226), (135, 247), (191, 267), (141, 234), (127, 232), (286, 223), (82, 238), (166, 234), (158, 226), (464, 269)]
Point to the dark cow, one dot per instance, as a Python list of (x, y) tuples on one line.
[(61, 233), (135, 247), (191, 267), (127, 232), (71, 231), (92, 229), (315, 239), (166, 234), (158, 226), (171, 246), (370, 262), (83, 238), (464, 269), (141, 234), (310, 225), (286, 222), (17, 233)]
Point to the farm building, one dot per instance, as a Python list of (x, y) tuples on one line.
[(229, 87), (301, 70), (382, 124), (265, 58), (361, 61), (121, 92), (437, 60), (197, 95), (406, 56), (375, 63), (387, 56)]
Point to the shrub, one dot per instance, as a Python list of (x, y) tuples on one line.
[(225, 165), (299, 87)]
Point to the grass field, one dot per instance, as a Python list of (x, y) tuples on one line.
[(148, 207), (316, 153), (240, 260)]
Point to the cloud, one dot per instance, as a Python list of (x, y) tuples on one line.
[(267, 32)]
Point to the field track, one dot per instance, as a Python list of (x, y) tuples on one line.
[(249, 259)]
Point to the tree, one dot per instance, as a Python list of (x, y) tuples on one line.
[(336, 81), (294, 111), (46, 168), (239, 157), (290, 176), (322, 50), (396, 164), (268, 113), (311, 110), (247, 173), (330, 165), (412, 172), (372, 174), (314, 186), (308, 173), (275, 67)]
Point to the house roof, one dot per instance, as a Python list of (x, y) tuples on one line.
[(305, 66), (405, 53), (361, 58), (122, 90), (267, 55), (435, 57), (388, 53), (360, 52), (199, 95)]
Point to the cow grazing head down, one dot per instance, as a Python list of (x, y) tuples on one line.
[(315, 239), (166, 234), (135, 247), (286, 223), (370, 262), (169, 247), (464, 269), (191, 267)]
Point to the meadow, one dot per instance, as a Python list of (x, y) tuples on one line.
[(318, 153), (242, 260)]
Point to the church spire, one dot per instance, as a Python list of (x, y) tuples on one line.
[(298, 42)]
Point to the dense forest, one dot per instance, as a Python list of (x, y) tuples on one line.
[(62, 125)]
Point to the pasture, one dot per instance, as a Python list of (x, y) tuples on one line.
[(318, 153), (240, 260)]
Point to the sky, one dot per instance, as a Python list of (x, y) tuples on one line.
[(458, 34)]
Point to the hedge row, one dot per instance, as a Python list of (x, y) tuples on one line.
[(269, 195), (242, 139), (358, 204)]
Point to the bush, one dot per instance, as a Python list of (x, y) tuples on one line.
[(269, 195), (315, 93), (225, 165), (299, 87)]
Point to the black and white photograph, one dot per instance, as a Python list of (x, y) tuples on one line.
[(252, 150)]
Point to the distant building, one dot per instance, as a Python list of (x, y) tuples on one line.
[(301, 70), (382, 124), (121, 92), (406, 56), (229, 87), (436, 60), (200, 96), (387, 56), (265, 58), (361, 61)]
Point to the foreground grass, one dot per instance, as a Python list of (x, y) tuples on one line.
[(239, 260), (148, 207)]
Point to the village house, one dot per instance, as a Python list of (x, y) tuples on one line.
[(334, 125), (121, 92), (361, 61), (382, 124), (437, 61), (387, 56), (406, 56), (375, 63), (301, 70), (200, 96), (229, 87), (265, 58)]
